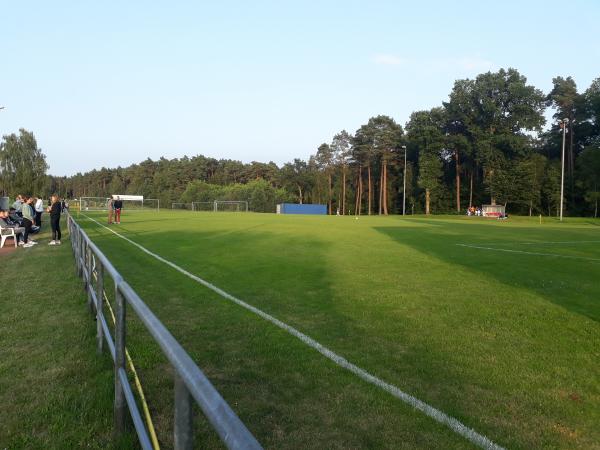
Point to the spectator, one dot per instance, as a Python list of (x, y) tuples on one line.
[(39, 209), (55, 210), (118, 205), (12, 215), (28, 218), (110, 206), (18, 204), (6, 222)]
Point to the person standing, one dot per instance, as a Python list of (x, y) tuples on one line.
[(118, 206), (55, 209), (39, 209), (110, 206), (28, 218)]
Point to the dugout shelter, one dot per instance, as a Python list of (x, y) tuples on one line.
[(293, 208), (493, 210)]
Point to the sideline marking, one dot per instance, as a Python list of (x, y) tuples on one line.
[(528, 253), (439, 416), (537, 243)]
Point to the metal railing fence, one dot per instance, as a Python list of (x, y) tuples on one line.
[(190, 383)]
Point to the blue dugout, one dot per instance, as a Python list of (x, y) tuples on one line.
[(293, 208)]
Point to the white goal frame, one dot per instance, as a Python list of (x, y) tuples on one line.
[(100, 203), (183, 206), (242, 205), (210, 204), (493, 211)]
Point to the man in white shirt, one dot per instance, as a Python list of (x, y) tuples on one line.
[(39, 209)]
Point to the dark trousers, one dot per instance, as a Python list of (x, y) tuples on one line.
[(38, 219), (55, 224), (27, 225)]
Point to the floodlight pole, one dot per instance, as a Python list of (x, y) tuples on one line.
[(404, 189), (562, 171)]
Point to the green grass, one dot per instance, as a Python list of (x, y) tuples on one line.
[(55, 392), (508, 343)]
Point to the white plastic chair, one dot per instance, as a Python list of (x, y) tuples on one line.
[(5, 233)]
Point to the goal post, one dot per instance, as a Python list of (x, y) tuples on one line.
[(130, 203), (183, 206), (220, 206), (93, 203), (231, 205), (493, 210), (203, 206), (151, 204)]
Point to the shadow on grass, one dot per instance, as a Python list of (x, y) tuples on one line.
[(287, 390), (570, 283)]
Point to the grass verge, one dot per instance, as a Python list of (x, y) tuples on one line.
[(55, 392)]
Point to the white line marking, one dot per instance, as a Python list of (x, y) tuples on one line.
[(439, 416), (528, 253), (537, 243)]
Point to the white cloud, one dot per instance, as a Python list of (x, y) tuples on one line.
[(462, 64), (388, 60)]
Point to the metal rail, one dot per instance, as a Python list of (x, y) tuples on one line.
[(190, 383)]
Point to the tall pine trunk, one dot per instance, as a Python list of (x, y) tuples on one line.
[(344, 190), (329, 187), (471, 190), (457, 181), (427, 201), (370, 187), (385, 189), (380, 189), (360, 191)]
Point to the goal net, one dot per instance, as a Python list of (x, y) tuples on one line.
[(221, 206), (184, 206), (203, 206), (130, 203), (493, 210), (231, 206), (91, 203)]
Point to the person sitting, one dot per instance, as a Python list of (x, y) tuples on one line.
[(18, 205), (6, 222), (12, 214)]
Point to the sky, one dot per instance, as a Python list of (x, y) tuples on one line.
[(107, 84)]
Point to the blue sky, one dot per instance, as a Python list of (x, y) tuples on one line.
[(112, 83)]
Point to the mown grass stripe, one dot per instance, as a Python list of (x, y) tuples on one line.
[(529, 253), (439, 416)]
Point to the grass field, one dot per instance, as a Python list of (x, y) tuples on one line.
[(55, 393), (495, 323)]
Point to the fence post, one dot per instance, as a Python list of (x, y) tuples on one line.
[(77, 249), (100, 305), (81, 250), (120, 406), (183, 430), (90, 284)]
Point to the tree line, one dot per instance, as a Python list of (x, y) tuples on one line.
[(485, 144)]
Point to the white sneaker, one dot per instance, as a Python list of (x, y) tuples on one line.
[(29, 244), (52, 243), (33, 242), (58, 242), (21, 242)]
